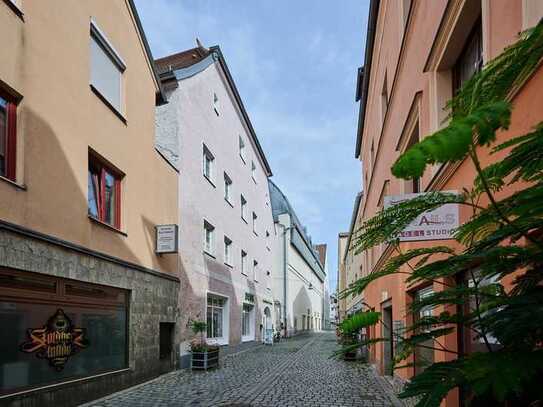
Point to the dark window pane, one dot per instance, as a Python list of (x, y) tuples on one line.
[(93, 193), (25, 282), (3, 135), (103, 343), (109, 199)]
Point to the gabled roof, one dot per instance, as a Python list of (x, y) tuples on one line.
[(366, 72), (186, 59), (160, 97)]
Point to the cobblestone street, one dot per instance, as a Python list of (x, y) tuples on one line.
[(297, 372)]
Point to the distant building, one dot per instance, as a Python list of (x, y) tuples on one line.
[(322, 252), (333, 310), (226, 229), (299, 278)]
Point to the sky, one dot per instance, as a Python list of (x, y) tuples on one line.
[(294, 64)]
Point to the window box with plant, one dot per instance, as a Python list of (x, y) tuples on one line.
[(204, 356)]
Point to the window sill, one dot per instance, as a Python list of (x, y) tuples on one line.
[(243, 219), (107, 225), (18, 12), (240, 156), (256, 234), (254, 180), (209, 180), (229, 203), (244, 274), (228, 265), (13, 183), (209, 254), (108, 104)]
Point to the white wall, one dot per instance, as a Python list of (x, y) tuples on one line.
[(190, 117)]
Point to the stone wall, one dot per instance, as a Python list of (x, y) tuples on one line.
[(153, 299)]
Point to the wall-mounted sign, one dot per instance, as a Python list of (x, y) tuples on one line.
[(56, 341), (438, 224), (166, 238)]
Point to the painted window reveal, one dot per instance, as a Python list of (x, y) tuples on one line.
[(215, 316), (255, 222), (253, 170), (104, 191), (57, 329), (247, 331), (255, 270), (208, 163), (243, 262), (243, 208), (8, 134), (227, 188), (227, 251), (209, 238), (242, 149)]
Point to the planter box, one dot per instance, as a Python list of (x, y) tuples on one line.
[(350, 356), (205, 360)]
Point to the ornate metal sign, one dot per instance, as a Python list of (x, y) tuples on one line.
[(56, 341)]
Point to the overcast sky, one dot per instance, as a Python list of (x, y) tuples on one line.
[(294, 63)]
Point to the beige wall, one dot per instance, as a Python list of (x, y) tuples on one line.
[(46, 59)]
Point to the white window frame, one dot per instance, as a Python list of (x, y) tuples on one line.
[(253, 171), (97, 36), (228, 188), (243, 207), (208, 157), (255, 271), (255, 222), (209, 247), (251, 315), (223, 340), (242, 149), (244, 262), (227, 251)]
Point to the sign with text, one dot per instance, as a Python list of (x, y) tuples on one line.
[(166, 238), (56, 341), (438, 224)]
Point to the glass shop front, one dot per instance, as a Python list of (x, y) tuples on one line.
[(54, 330)]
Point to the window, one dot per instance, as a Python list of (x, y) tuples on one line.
[(88, 309), (255, 270), (423, 356), (243, 209), (227, 251), (209, 237), (255, 218), (242, 149), (104, 191), (243, 262), (227, 188), (384, 99), (208, 164), (470, 60), (8, 132), (216, 104), (247, 325), (106, 69), (413, 185), (215, 316), (253, 170)]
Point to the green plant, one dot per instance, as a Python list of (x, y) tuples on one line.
[(502, 239)]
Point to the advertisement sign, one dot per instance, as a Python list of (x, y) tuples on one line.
[(56, 341), (438, 224), (166, 238)]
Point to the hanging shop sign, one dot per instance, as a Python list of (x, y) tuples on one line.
[(166, 238), (438, 224), (56, 341)]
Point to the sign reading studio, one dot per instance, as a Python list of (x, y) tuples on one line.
[(438, 224), (56, 341)]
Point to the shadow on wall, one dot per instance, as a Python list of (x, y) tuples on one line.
[(301, 305)]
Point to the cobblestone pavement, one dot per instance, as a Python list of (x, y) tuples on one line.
[(297, 372)]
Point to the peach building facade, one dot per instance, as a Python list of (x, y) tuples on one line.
[(411, 70)]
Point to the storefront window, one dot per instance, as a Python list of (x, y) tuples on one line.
[(49, 337), (246, 330), (215, 312)]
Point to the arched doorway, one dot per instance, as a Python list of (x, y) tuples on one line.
[(268, 326)]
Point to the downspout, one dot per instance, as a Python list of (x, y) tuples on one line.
[(285, 274)]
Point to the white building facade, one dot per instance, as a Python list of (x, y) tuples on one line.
[(299, 277), (225, 219)]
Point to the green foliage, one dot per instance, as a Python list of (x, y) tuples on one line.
[(502, 239), (198, 326), (356, 322)]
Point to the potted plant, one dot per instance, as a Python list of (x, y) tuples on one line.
[(204, 356)]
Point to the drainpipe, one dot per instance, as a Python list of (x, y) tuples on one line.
[(285, 275)]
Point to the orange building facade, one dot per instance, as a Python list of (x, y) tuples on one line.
[(412, 68)]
